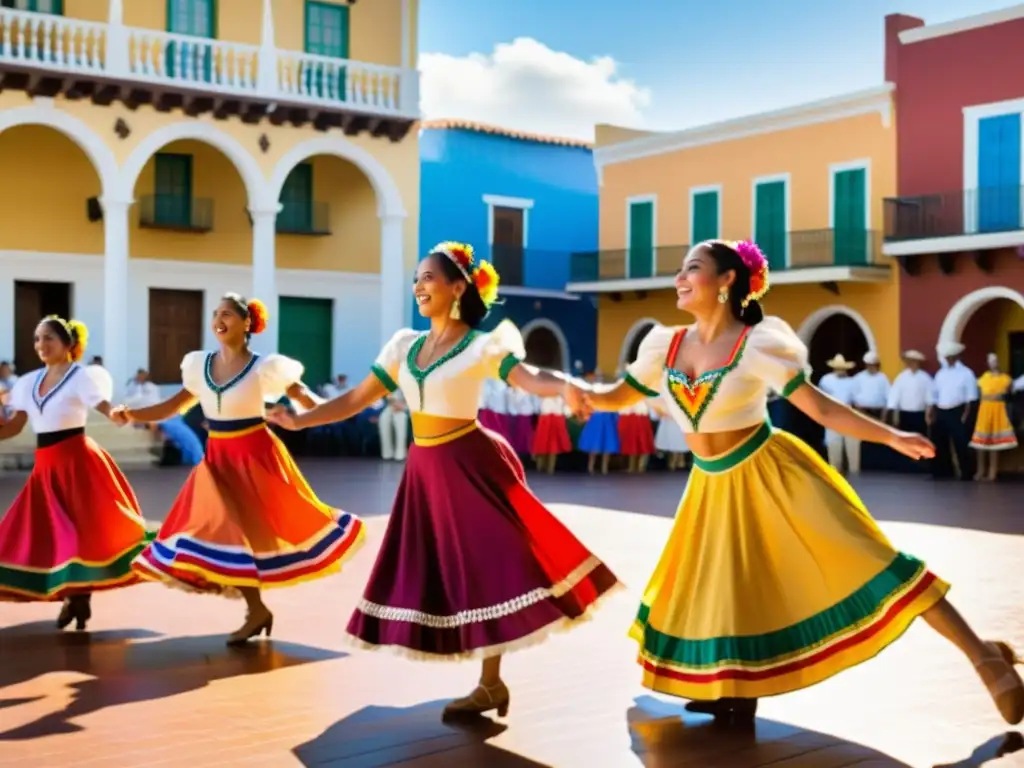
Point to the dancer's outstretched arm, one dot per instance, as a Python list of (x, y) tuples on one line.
[(345, 406), (832, 414), (180, 401), (13, 426), (304, 396), (615, 397)]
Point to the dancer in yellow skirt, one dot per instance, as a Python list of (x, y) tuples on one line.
[(775, 577), (246, 519), (993, 431)]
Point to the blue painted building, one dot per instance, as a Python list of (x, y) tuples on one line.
[(525, 203)]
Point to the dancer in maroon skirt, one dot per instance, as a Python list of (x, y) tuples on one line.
[(472, 565)]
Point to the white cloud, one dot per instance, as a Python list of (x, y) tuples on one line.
[(526, 86)]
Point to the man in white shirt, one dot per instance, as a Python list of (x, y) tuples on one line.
[(840, 386), (393, 425), (871, 388), (951, 407), (141, 392), (908, 401)]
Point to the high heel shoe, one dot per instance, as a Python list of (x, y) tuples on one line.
[(484, 698), (1004, 684), (83, 612), (254, 626), (737, 711)]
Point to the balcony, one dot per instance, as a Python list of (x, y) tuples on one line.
[(947, 222), (304, 219), (536, 272), (805, 256), (47, 55), (176, 212)]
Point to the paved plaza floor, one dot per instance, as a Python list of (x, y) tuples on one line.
[(152, 684)]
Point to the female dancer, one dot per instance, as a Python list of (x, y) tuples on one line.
[(774, 577), (551, 438), (669, 438), (993, 431), (246, 519), (636, 436), (472, 565), (75, 527), (600, 436)]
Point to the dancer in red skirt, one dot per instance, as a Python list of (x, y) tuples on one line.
[(551, 438), (472, 565), (76, 526), (246, 518), (636, 436)]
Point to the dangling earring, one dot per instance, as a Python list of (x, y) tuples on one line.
[(723, 295), (456, 311)]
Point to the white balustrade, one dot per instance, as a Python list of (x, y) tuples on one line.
[(62, 44)]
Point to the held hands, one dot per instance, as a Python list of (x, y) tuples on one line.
[(283, 418), (577, 401), (120, 415), (912, 444)]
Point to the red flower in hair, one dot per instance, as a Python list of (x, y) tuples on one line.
[(258, 316), (461, 253)]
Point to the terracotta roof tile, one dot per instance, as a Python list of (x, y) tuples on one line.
[(469, 125)]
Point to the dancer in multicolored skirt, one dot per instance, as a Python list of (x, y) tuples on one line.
[(774, 577), (76, 526), (246, 519), (472, 565)]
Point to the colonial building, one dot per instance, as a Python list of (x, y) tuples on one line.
[(525, 202), (805, 182), (158, 154), (956, 224)]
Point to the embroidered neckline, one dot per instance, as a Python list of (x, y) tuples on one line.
[(694, 396), (220, 389), (420, 375), (42, 401)]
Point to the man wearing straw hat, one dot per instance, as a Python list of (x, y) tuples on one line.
[(908, 401), (954, 394), (840, 386), (870, 397)]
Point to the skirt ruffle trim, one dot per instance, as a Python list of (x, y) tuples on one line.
[(205, 577), (72, 577), (817, 660), (994, 441), (535, 638)]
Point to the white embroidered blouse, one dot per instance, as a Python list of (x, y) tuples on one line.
[(734, 396), (264, 379), (67, 404), (450, 386)]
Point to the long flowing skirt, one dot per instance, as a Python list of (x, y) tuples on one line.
[(993, 430), (774, 578), (636, 435), (520, 434), (669, 437), (472, 564), (551, 437), (73, 529), (600, 434), (246, 517)]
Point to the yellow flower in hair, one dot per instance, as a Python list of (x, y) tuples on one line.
[(79, 338), (485, 278)]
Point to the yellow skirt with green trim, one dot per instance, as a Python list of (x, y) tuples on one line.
[(774, 578)]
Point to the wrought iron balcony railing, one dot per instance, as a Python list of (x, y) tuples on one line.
[(987, 210), (304, 219), (187, 214)]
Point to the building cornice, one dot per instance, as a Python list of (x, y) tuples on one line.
[(956, 26)]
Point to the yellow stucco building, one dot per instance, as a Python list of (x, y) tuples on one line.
[(158, 153), (806, 183)]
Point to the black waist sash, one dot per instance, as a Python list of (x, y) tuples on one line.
[(48, 439)]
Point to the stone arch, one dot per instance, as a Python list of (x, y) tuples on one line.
[(552, 327), (961, 312), (389, 199), (240, 157), (101, 157), (632, 338), (814, 320)]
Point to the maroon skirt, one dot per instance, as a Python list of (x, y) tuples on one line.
[(472, 564)]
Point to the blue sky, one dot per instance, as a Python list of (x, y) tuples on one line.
[(701, 61)]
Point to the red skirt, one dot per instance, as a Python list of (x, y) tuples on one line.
[(551, 436), (472, 564), (636, 435), (246, 517), (73, 529)]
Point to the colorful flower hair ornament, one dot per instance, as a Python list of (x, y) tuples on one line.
[(461, 254), (77, 332), (754, 260), (258, 316), (485, 278), (481, 274)]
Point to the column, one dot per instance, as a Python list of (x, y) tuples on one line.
[(115, 292), (393, 294), (266, 74), (264, 273), (117, 40), (7, 341)]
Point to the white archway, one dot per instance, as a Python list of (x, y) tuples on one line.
[(101, 157), (814, 320), (240, 157), (961, 312), (637, 328), (563, 342), (389, 199)]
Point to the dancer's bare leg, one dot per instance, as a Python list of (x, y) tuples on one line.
[(258, 617)]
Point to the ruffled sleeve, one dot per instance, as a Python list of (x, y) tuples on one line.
[(644, 373), (94, 385), (277, 373), (778, 356), (386, 366), (503, 350), (192, 372), (20, 397)]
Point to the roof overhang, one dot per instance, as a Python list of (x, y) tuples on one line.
[(959, 243), (806, 276)]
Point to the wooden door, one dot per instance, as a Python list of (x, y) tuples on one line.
[(306, 334), (507, 246), (32, 302), (176, 321)]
